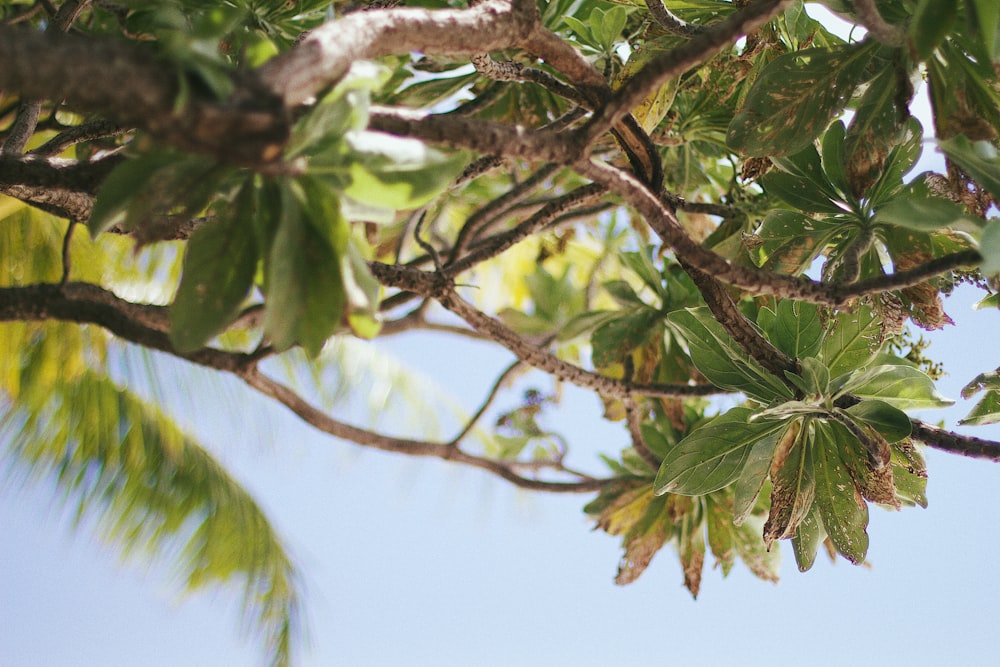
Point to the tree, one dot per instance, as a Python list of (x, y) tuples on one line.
[(660, 203)]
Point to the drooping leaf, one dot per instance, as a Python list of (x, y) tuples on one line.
[(932, 20), (873, 132), (720, 529), (219, 267), (989, 247), (793, 489), (979, 159), (909, 473), (748, 485), (617, 338), (304, 287), (843, 510), (891, 422), (796, 96), (125, 188), (712, 456), (805, 542)]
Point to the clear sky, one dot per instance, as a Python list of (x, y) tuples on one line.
[(418, 562)]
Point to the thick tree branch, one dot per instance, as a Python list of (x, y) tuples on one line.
[(127, 84), (325, 55), (143, 324), (871, 19), (36, 171), (146, 325), (956, 443), (488, 137)]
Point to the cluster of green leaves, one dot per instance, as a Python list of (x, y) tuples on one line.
[(287, 234), (830, 437), (647, 521)]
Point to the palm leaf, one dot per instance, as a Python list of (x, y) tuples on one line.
[(154, 491)]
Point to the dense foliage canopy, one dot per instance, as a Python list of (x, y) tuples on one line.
[(660, 202)]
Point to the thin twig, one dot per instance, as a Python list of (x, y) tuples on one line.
[(505, 379)]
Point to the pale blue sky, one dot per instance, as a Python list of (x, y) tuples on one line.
[(417, 562)]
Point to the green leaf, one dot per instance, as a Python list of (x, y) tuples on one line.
[(986, 411), (979, 159), (799, 193), (793, 327), (721, 531), (925, 214), (396, 172), (790, 241), (903, 387), (304, 288), (843, 510), (712, 456), (616, 339), (763, 562), (932, 21), (607, 26), (851, 341), (720, 359), (623, 293), (122, 186), (805, 542), (219, 267), (987, 22), (642, 264), (909, 472), (891, 422), (873, 132), (989, 247), (796, 96), (755, 470), (834, 156)]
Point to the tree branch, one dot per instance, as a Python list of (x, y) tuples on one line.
[(323, 422), (871, 19), (553, 365), (949, 441), (671, 22), (325, 55), (127, 84)]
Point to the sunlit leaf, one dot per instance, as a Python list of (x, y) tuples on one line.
[(902, 387)]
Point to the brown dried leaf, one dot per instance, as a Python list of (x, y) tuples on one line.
[(792, 494)]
